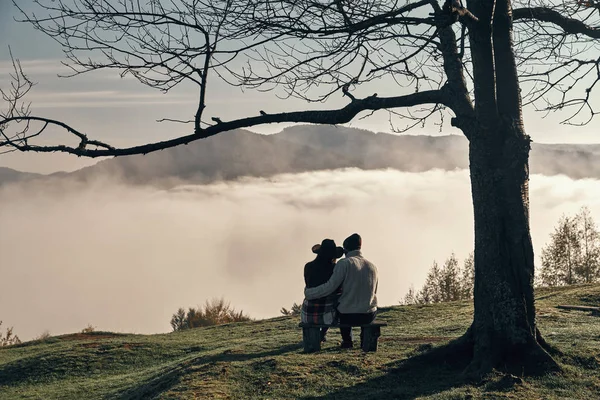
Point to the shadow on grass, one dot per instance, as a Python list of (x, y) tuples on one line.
[(432, 371), (45, 367), (428, 372), (168, 378)]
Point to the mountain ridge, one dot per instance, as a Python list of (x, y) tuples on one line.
[(8, 175), (303, 148)]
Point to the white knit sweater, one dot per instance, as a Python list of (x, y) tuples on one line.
[(358, 278)]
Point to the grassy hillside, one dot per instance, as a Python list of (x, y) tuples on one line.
[(264, 360)]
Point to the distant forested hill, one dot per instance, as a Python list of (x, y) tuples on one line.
[(310, 147), (10, 175)]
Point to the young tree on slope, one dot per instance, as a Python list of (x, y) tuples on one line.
[(415, 53), (559, 258), (588, 270), (573, 254), (468, 277)]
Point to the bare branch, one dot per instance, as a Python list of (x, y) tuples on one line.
[(557, 53), (179, 121), (569, 25), (313, 50), (317, 117)]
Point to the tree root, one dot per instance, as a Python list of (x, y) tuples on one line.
[(456, 354), (455, 351), (545, 345), (531, 359), (538, 361)]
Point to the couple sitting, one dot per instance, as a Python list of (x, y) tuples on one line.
[(343, 292)]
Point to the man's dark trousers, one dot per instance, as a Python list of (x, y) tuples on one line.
[(354, 319)]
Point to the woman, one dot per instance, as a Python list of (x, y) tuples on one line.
[(317, 272)]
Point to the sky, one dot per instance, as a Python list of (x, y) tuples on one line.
[(124, 112), (125, 258)]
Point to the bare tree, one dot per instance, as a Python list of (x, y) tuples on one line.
[(480, 65)]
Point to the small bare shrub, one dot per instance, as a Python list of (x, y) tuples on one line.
[(8, 338), (89, 329), (43, 336), (214, 312)]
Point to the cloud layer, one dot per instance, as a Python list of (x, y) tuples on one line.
[(124, 258)]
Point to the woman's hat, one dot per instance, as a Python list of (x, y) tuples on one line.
[(328, 248)]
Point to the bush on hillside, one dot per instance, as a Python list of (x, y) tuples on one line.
[(214, 312), (43, 336), (8, 338), (292, 312)]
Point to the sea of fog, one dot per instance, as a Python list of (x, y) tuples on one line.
[(125, 258)]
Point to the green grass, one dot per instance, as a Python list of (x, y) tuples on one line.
[(264, 360)]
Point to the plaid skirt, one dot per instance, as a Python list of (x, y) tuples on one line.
[(320, 311)]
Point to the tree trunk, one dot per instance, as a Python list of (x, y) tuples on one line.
[(504, 330)]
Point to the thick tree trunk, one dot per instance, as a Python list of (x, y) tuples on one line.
[(503, 334), (504, 330)]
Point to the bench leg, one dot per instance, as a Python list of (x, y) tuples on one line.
[(311, 337), (370, 335)]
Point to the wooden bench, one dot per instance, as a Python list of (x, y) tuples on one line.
[(311, 335), (594, 310)]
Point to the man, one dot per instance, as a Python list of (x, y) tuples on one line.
[(358, 278)]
